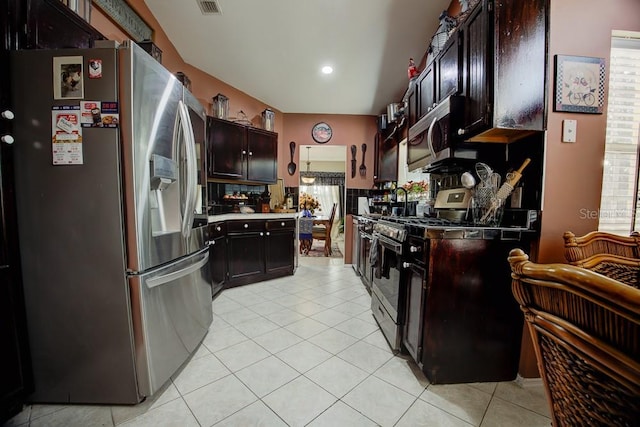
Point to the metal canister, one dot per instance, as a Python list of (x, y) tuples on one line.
[(220, 106), (268, 117)]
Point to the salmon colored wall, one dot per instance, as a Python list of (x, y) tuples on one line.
[(203, 85), (573, 176), (573, 172), (347, 130)]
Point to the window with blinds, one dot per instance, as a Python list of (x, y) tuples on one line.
[(619, 210)]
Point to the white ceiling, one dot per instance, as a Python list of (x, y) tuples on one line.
[(273, 49)]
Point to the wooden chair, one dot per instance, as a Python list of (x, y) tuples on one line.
[(617, 257), (323, 231), (586, 335)]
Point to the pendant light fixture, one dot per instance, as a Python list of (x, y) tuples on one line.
[(308, 179)]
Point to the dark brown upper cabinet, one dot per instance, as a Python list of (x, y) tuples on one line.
[(386, 158), (504, 70), (448, 66), (237, 152), (52, 25), (427, 90)]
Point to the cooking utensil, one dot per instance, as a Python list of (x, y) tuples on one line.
[(363, 168), (512, 180), (291, 167), (354, 150), (483, 171), (468, 180)]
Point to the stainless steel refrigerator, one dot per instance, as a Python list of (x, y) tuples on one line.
[(108, 186)]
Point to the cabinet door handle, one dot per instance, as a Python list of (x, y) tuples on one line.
[(261, 233), (212, 242), (282, 224), (244, 152), (414, 249), (250, 153), (246, 226), (8, 139), (218, 228), (406, 264), (268, 233), (8, 115)]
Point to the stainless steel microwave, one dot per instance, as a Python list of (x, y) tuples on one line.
[(435, 136)]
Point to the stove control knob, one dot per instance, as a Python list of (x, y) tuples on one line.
[(414, 249), (406, 264)]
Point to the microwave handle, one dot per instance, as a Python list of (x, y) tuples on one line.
[(430, 138)]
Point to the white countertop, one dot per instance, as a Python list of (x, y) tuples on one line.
[(231, 216)]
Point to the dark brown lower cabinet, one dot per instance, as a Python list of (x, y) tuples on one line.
[(280, 243), (258, 250), (218, 255), (245, 248), (462, 323), (412, 333)]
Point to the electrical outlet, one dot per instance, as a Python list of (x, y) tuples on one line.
[(569, 129)]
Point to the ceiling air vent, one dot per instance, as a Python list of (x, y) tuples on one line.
[(209, 7)]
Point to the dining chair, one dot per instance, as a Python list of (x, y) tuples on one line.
[(585, 329), (614, 256), (323, 232)]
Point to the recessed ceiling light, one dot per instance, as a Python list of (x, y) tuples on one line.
[(327, 69)]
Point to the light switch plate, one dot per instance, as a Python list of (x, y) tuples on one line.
[(569, 129)]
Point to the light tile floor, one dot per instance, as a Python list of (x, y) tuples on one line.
[(304, 350)]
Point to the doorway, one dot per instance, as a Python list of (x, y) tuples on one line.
[(326, 165)]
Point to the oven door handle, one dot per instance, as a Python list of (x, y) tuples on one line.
[(390, 244)]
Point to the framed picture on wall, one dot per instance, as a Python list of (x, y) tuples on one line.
[(579, 84)]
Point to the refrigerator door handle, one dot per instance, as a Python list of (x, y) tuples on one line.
[(188, 140), (194, 163), (161, 280)]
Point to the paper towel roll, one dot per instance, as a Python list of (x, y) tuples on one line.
[(363, 206)]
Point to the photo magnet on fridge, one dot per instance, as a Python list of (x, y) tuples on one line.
[(95, 68), (67, 77)]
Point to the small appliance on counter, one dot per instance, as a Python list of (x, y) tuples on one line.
[(453, 204)]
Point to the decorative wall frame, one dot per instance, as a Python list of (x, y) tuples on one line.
[(127, 18), (579, 84)]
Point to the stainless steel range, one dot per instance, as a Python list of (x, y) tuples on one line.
[(389, 253), (404, 285), (386, 290)]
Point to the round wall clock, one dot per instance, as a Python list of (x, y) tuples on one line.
[(321, 132)]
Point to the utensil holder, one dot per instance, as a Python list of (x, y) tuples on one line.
[(487, 214)]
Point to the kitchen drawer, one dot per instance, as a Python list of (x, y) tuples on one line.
[(217, 229), (281, 224), (238, 226)]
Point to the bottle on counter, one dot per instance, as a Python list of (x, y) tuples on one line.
[(289, 201)]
